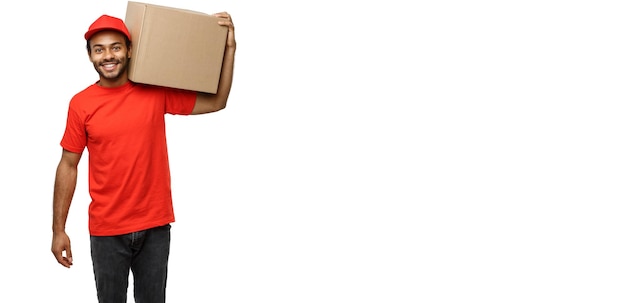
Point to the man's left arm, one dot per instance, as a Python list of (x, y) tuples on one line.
[(207, 103)]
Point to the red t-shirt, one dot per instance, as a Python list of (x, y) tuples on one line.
[(123, 129)]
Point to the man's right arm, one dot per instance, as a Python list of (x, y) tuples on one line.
[(64, 186)]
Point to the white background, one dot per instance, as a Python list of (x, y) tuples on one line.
[(371, 151)]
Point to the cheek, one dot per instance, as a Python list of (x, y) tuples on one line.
[(93, 57)]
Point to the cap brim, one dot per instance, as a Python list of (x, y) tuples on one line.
[(92, 32)]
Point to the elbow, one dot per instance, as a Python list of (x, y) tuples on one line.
[(218, 104), (215, 109)]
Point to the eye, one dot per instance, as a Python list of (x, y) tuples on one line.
[(117, 48), (97, 50)]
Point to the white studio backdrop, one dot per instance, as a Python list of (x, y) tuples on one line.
[(429, 151)]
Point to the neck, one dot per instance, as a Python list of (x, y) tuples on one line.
[(106, 82)]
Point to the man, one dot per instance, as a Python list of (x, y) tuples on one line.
[(122, 125)]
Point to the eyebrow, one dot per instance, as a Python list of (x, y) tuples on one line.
[(101, 45)]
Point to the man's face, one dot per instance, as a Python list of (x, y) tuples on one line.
[(109, 55)]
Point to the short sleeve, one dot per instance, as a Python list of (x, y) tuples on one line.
[(75, 136), (179, 102)]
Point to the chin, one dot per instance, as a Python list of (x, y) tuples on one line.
[(110, 75)]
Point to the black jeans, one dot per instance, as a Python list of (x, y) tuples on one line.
[(145, 252)]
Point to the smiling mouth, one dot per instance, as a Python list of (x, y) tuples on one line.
[(109, 66)]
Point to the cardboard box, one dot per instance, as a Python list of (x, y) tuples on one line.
[(175, 47)]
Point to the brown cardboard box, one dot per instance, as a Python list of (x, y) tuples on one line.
[(175, 47)]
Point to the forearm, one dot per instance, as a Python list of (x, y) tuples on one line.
[(226, 75), (64, 187)]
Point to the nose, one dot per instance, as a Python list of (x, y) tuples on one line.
[(108, 54)]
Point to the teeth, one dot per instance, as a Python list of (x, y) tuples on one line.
[(109, 66)]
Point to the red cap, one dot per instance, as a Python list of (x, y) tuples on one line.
[(106, 22)]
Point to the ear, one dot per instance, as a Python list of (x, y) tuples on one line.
[(88, 50)]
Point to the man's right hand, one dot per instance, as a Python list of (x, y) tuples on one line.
[(60, 244)]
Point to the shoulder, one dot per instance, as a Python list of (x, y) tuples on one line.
[(168, 92), (83, 95), (147, 89)]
